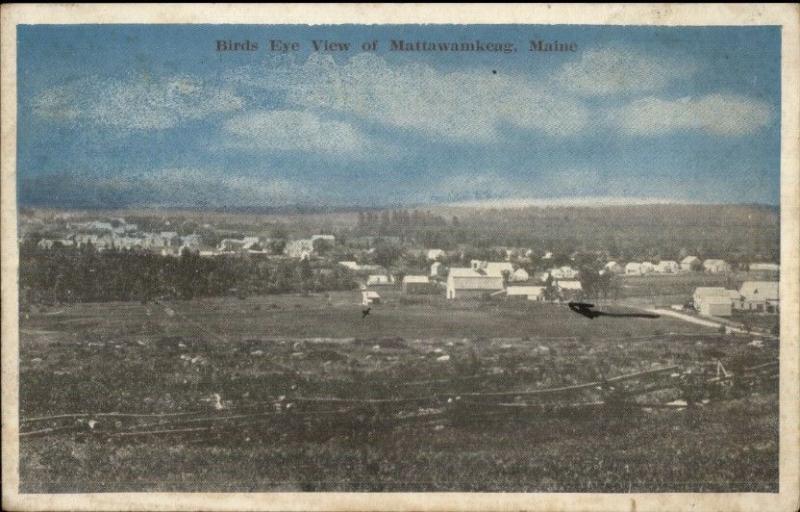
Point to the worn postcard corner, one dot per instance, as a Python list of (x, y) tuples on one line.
[(400, 257)]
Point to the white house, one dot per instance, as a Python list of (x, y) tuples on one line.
[(614, 267), (299, 248), (716, 305), (437, 269), (760, 296), (378, 280), (520, 275), (667, 267), (434, 254), (765, 267), (467, 283), (648, 267), (712, 300), (352, 265), (565, 272), (569, 288), (716, 266), (369, 297), (528, 292), (416, 284), (633, 269), (689, 263)]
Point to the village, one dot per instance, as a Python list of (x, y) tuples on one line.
[(385, 269)]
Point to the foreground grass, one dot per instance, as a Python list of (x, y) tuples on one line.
[(138, 358)]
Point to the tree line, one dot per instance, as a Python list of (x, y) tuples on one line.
[(69, 274)]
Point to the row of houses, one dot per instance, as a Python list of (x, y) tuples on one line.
[(687, 264), (111, 240), (756, 296)]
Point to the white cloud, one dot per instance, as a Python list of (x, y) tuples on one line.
[(609, 71), (717, 114), (138, 103), (286, 130), (464, 105)]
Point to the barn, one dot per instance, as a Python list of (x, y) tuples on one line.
[(465, 283), (417, 285)]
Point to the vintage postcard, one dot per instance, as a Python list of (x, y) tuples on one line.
[(362, 257)]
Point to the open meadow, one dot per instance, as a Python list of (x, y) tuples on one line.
[(293, 392)]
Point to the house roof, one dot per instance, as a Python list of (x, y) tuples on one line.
[(468, 279), (525, 290), (705, 292), (369, 294), (416, 279), (690, 259), (764, 266), (570, 285), (734, 294), (760, 290), (463, 272)]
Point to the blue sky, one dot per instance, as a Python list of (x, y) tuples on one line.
[(125, 115)]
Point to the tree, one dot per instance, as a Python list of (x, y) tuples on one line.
[(550, 290)]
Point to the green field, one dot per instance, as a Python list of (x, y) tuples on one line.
[(151, 358)]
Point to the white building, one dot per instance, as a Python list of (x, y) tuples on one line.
[(467, 283), (565, 272), (765, 267), (569, 289), (689, 263), (760, 296), (519, 276), (435, 254), (633, 269), (716, 266), (378, 280), (369, 297), (667, 267), (614, 267), (529, 292), (437, 269), (416, 284), (712, 301), (299, 248)]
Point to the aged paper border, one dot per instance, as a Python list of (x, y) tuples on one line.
[(786, 16)]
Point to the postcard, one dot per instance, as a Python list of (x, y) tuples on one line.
[(400, 257)]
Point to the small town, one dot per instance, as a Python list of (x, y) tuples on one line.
[(384, 268)]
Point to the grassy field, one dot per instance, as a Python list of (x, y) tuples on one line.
[(149, 358)]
